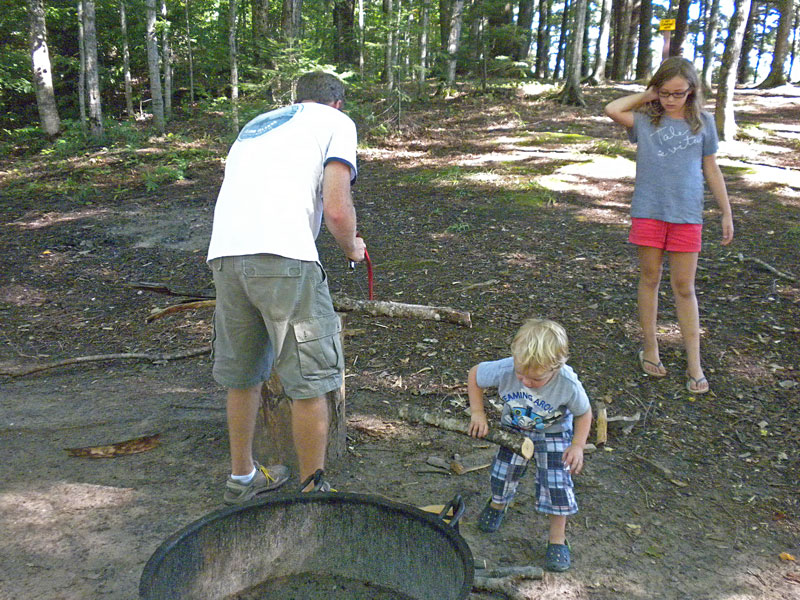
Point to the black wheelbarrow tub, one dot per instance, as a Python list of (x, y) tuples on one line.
[(356, 536)]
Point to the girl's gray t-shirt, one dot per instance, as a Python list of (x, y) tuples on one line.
[(550, 406), (669, 168)]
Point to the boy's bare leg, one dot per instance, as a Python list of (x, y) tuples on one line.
[(310, 431), (558, 529), (650, 261), (242, 409), (683, 268)]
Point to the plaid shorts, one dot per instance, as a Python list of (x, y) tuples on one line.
[(555, 494)]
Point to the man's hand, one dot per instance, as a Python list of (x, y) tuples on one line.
[(359, 248)]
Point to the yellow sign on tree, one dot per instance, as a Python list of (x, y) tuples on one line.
[(666, 25)]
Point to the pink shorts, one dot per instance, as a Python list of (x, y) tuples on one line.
[(672, 237)]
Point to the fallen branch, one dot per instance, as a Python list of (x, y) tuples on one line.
[(768, 267), (523, 572), (376, 308), (380, 308), (499, 585), (155, 358), (518, 443), (663, 471)]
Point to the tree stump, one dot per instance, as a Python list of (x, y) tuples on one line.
[(273, 442)]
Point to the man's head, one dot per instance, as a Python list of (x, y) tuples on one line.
[(318, 86), (540, 347)]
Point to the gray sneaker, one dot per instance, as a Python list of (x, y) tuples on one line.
[(265, 479)]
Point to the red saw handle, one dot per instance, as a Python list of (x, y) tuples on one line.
[(369, 275)]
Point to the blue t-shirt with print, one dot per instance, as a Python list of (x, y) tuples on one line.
[(548, 409), (669, 168)]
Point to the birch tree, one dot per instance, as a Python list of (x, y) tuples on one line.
[(723, 114), (598, 75), (454, 39), (166, 61), (81, 71), (42, 72), (126, 58), (189, 56), (92, 71), (233, 54), (709, 40), (156, 98), (571, 93), (777, 72)]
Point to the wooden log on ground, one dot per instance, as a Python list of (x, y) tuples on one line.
[(515, 442), (376, 308), (601, 424), (274, 443)]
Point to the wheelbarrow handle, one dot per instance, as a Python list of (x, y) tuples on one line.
[(458, 506)]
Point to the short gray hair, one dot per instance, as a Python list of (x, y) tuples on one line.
[(319, 86)]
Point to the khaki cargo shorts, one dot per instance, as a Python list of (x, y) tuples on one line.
[(276, 311)]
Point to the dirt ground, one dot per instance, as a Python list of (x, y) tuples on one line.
[(507, 207)]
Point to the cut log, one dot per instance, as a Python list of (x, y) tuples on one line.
[(376, 308), (499, 585), (522, 572), (516, 442), (601, 424), (380, 308)]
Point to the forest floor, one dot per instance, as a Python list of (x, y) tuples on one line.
[(506, 206)]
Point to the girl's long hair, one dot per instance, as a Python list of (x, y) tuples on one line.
[(677, 66)]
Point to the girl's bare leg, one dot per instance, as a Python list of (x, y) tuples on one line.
[(683, 267), (650, 261)]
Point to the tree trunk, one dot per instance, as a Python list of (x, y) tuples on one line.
[(423, 44), (777, 74), (261, 31), (765, 12), (644, 57), (81, 71), (42, 72), (454, 39), (598, 76), (126, 59), (585, 68), (724, 116), (681, 27), (156, 98), (571, 94), (524, 24), (92, 72), (633, 35), (291, 19), (709, 41), (189, 52), (166, 61), (748, 41), (562, 41), (388, 59), (344, 25), (233, 54), (622, 43), (361, 37), (543, 41), (445, 13)]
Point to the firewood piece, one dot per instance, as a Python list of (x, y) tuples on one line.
[(438, 462), (601, 424), (157, 314), (382, 308), (499, 585), (515, 442), (155, 358), (376, 308), (623, 422), (456, 466), (522, 572), (663, 471)]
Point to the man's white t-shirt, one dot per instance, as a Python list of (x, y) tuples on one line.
[(270, 201)]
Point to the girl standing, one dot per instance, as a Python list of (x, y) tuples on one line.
[(676, 151)]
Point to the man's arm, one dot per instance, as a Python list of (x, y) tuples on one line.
[(338, 209)]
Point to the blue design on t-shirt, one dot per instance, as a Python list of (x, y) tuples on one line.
[(268, 121)]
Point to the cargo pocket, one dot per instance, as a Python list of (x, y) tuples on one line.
[(319, 348)]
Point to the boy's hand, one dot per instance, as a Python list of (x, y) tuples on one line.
[(478, 426), (573, 459)]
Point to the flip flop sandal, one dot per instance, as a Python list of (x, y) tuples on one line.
[(490, 517), (557, 557), (657, 366), (696, 382)]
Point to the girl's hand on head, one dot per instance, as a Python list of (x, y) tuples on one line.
[(651, 94)]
